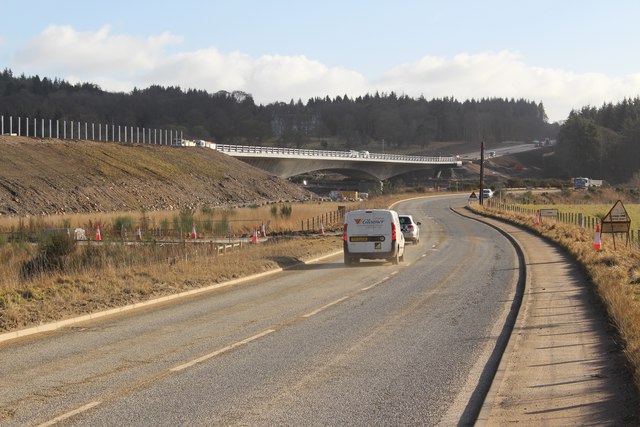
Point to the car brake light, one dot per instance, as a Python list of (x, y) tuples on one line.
[(344, 233), (393, 231)]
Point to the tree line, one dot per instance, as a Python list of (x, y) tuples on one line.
[(601, 143), (342, 122)]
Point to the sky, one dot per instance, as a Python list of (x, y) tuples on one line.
[(565, 54)]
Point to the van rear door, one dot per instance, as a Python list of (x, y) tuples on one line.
[(369, 231)]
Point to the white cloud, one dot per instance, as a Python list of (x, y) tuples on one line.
[(121, 62), (63, 49), (505, 75)]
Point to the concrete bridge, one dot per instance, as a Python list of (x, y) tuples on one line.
[(288, 162)]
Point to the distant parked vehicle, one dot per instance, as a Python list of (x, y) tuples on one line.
[(487, 193)]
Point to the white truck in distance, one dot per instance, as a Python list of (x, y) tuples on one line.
[(582, 183)]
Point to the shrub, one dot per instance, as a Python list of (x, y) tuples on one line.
[(122, 224), (185, 219), (286, 211), (53, 250)]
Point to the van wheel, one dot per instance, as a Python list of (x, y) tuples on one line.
[(396, 259), (347, 260), (402, 258)]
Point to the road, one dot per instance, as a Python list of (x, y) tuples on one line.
[(500, 151), (320, 344)]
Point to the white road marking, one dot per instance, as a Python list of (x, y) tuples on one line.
[(70, 414), (222, 350), (324, 307)]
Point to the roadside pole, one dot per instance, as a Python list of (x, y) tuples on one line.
[(481, 196)]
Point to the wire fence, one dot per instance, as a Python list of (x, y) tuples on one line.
[(575, 218), (125, 230)]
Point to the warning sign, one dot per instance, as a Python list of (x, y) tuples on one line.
[(473, 198), (616, 221)]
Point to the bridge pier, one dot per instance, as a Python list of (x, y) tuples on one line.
[(370, 186)]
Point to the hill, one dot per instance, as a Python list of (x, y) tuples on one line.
[(49, 176)]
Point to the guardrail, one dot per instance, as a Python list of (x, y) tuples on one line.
[(328, 154)]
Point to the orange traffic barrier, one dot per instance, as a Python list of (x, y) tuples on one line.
[(597, 243)]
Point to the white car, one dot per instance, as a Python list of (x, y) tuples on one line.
[(410, 228), (487, 193)]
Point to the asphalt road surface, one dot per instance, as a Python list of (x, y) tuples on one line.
[(320, 344)]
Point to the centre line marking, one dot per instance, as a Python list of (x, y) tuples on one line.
[(70, 414), (222, 350), (376, 283), (314, 312)]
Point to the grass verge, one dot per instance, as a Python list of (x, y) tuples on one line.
[(57, 296)]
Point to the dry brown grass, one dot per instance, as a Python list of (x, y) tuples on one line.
[(57, 296), (96, 277), (614, 272)]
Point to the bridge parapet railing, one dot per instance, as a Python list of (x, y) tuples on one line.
[(347, 155)]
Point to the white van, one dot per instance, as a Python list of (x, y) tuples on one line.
[(372, 234)]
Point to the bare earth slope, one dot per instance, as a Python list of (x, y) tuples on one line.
[(60, 176)]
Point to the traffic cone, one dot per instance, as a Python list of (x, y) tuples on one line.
[(321, 228), (138, 233), (537, 217), (98, 234), (263, 231), (254, 236), (194, 234), (597, 244)]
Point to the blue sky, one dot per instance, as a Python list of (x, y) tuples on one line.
[(565, 54)]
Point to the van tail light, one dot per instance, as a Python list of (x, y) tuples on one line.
[(393, 231), (344, 233)]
